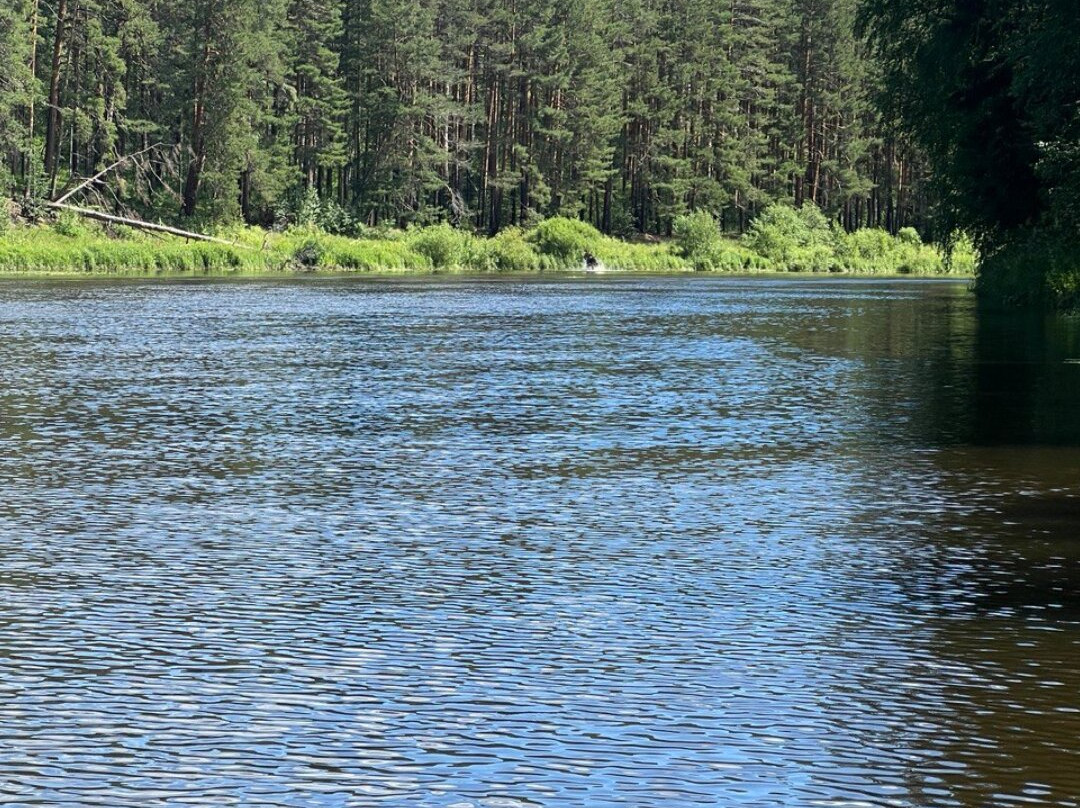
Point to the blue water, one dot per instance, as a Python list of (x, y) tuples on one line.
[(601, 542)]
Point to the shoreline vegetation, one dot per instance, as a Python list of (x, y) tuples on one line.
[(782, 239), (351, 128)]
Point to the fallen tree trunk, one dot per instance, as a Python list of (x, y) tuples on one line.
[(102, 173), (141, 225)]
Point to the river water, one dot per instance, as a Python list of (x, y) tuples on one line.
[(599, 542)]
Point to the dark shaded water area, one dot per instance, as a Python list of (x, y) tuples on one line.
[(602, 542)]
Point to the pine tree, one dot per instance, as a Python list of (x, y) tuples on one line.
[(318, 102), (228, 69), (16, 89)]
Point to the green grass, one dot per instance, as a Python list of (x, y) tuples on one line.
[(44, 250), (782, 240)]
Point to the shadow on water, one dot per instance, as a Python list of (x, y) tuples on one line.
[(1027, 380), (980, 413), (1001, 568)]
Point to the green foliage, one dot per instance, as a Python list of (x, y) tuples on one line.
[(511, 252), (963, 257), (799, 240), (309, 254), (444, 246), (307, 209), (1032, 268), (700, 242), (71, 225), (564, 240), (909, 235), (696, 233), (622, 255), (991, 92), (44, 250), (405, 113), (71, 245), (16, 83)]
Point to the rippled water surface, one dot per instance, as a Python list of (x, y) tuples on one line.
[(625, 542)]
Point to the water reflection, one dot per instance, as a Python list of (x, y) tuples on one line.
[(606, 542)]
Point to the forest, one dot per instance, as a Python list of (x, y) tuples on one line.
[(942, 116), (626, 113)]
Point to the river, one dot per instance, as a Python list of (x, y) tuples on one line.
[(496, 543)]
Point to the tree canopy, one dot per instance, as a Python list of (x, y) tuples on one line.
[(481, 113), (990, 91)]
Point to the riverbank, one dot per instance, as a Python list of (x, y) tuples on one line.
[(70, 246)]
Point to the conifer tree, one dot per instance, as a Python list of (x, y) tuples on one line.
[(16, 89)]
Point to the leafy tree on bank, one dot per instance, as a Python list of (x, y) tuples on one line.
[(991, 92)]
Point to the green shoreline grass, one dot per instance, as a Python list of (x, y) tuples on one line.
[(73, 248)]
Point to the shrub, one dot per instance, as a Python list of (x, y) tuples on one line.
[(909, 235), (867, 250), (873, 250), (309, 254), (71, 225), (728, 256), (305, 208), (696, 234), (638, 257), (921, 260), (444, 246), (564, 240), (1036, 266), (510, 252), (812, 258), (795, 239), (963, 257)]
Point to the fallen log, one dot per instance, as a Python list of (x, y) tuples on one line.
[(141, 225), (102, 173)]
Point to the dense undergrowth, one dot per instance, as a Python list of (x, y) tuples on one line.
[(782, 239), (1035, 267)]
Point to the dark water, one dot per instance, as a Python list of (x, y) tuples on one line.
[(642, 543)]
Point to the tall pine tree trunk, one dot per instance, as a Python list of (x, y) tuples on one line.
[(52, 132), (28, 153), (198, 132)]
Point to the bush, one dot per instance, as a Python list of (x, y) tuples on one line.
[(564, 240), (444, 246), (696, 234), (309, 254), (510, 252), (71, 225), (306, 209), (794, 239), (1037, 266), (909, 235), (623, 255), (813, 258), (868, 250), (702, 244), (963, 257), (873, 250), (728, 256)]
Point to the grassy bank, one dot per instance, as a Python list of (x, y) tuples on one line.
[(781, 240)]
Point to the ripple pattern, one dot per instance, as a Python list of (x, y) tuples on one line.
[(626, 542)]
